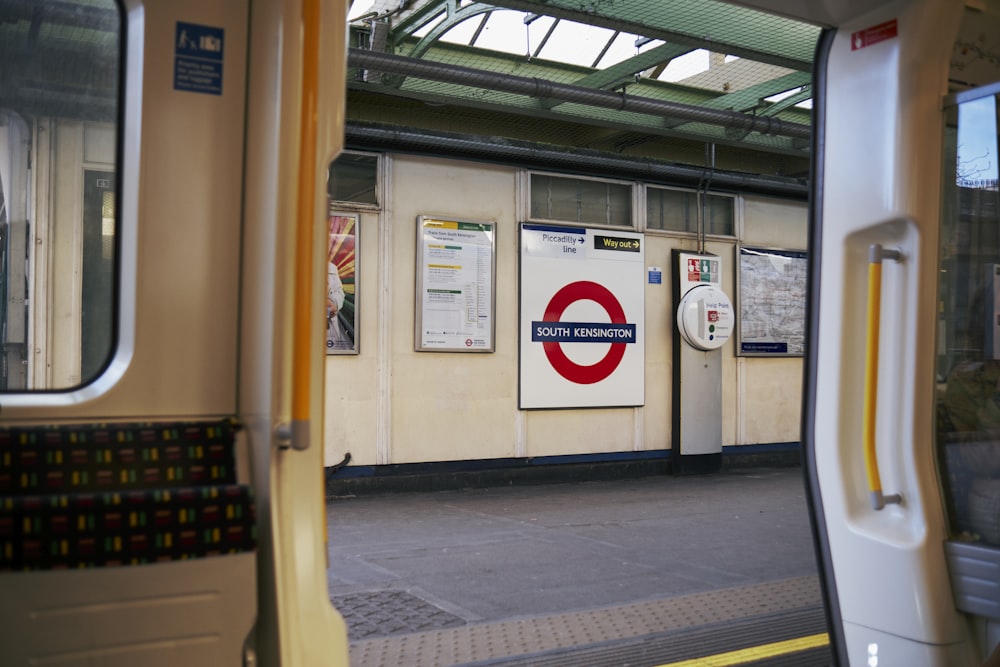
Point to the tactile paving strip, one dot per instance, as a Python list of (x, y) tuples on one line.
[(667, 647), (389, 612), (522, 636)]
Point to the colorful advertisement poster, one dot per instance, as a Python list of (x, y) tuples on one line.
[(581, 317), (341, 285), (456, 272)]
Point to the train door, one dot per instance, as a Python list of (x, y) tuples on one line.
[(968, 357), (161, 164), (902, 322)]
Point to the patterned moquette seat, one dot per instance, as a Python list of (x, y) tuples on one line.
[(97, 495)]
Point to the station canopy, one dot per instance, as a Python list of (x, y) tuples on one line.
[(694, 82)]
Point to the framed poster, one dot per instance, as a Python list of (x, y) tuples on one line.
[(342, 284), (456, 285), (582, 317), (771, 309)]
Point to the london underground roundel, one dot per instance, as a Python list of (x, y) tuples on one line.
[(705, 317), (587, 290)]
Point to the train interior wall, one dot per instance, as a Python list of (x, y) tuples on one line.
[(390, 404)]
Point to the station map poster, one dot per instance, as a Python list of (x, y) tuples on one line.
[(342, 284), (772, 302), (456, 276), (582, 307)]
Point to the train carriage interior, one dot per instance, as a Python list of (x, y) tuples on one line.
[(178, 180)]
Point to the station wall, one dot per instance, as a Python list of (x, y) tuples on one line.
[(389, 404)]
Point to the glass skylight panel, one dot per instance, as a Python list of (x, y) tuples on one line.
[(782, 96), (505, 31), (430, 25), (537, 29), (360, 8), (804, 104), (463, 32), (622, 49), (683, 67), (571, 42), (576, 44)]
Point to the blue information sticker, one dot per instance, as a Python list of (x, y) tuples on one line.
[(198, 51)]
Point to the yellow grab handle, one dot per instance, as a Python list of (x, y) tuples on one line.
[(876, 253), (305, 227)]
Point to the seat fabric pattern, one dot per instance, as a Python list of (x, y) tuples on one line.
[(100, 495)]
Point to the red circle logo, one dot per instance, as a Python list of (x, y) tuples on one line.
[(583, 290)]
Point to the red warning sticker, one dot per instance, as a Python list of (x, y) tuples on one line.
[(873, 35)]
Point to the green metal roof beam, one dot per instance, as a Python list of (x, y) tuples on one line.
[(442, 83), (421, 15), (577, 113), (502, 63), (749, 98), (497, 62), (490, 82), (611, 77), (454, 17)]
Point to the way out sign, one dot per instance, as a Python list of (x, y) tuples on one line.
[(581, 318)]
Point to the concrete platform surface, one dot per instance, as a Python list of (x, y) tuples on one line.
[(418, 562)]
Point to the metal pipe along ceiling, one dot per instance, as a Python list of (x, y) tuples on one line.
[(551, 90), (528, 155)]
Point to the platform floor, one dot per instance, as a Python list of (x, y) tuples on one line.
[(574, 574)]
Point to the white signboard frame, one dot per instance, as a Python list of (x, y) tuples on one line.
[(582, 317), (456, 285)]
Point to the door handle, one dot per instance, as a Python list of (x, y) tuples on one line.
[(876, 253), (302, 352)]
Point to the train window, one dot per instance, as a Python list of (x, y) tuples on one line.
[(353, 178), (59, 100), (678, 211), (968, 362), (568, 199)]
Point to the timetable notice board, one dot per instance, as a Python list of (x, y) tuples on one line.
[(456, 285)]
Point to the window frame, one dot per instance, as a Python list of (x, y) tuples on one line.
[(40, 389), (631, 185), (348, 205), (734, 199)]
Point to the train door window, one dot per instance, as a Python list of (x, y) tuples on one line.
[(60, 66), (353, 179), (590, 201), (680, 210), (968, 350)]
